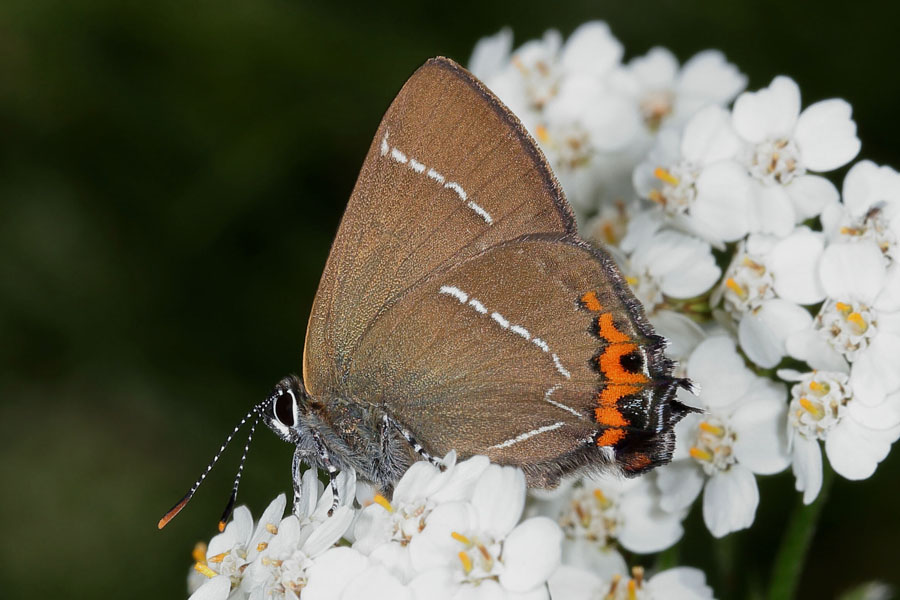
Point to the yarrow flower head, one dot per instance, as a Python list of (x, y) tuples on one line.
[(870, 210), (460, 528), (663, 264), (668, 95), (680, 583), (857, 437), (445, 532), (230, 552), (785, 145), (857, 329), (739, 434), (602, 513)]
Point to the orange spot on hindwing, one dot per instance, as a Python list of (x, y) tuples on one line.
[(608, 411), (610, 437), (609, 414), (607, 329), (613, 360), (591, 302), (637, 462)]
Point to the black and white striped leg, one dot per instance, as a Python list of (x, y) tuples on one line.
[(416, 445), (325, 459), (295, 470)]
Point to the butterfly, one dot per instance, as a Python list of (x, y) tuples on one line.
[(460, 310)]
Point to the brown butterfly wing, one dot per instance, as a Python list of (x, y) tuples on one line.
[(534, 353), (450, 173)]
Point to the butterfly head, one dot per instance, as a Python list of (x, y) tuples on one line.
[(283, 409)]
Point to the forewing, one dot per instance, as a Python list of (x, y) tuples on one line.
[(534, 353), (450, 173)]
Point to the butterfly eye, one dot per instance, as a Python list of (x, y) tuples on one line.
[(284, 409)]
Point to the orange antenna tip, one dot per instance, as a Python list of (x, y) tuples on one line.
[(173, 511)]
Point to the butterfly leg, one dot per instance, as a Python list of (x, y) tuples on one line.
[(295, 469), (415, 445), (325, 459)]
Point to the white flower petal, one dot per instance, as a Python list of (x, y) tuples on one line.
[(612, 122), (397, 558), (591, 50), (499, 497), (216, 588), (491, 54), (462, 480), (684, 265), (531, 553), (372, 528), (719, 370), (709, 76), (682, 333), (641, 228), (807, 467), (810, 346), (331, 572), (885, 415), (287, 538), (680, 583), (656, 70), (770, 113), (794, 262), (762, 333), (271, 516), (223, 542), (810, 195), (310, 491), (241, 525), (329, 531), (435, 584), (646, 528), (761, 443), (376, 583), (730, 500), (572, 583), (487, 589), (867, 185), (774, 209), (826, 135), (854, 451), (434, 546), (419, 482), (679, 482), (724, 203), (888, 299), (874, 373), (589, 555), (852, 271), (708, 137)]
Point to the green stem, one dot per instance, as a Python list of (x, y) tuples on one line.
[(801, 527)]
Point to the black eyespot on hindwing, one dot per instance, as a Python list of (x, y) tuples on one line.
[(633, 362)]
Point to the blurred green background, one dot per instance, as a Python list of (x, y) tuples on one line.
[(171, 176)]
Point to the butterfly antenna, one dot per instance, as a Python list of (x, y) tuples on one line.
[(237, 478), (187, 497)]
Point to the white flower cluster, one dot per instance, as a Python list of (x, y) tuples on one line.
[(454, 534), (779, 294)]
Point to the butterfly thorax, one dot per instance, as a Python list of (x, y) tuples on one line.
[(338, 432)]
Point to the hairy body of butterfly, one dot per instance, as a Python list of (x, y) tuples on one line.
[(460, 310)]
